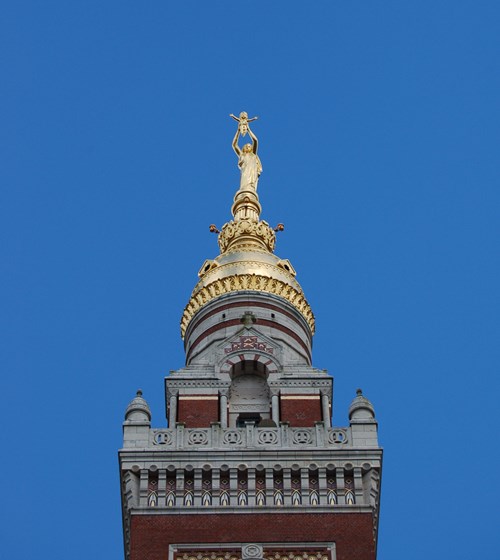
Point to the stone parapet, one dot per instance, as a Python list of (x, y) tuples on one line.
[(241, 439)]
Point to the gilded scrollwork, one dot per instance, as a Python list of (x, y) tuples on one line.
[(250, 282), (253, 234)]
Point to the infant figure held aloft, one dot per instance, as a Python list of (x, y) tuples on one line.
[(243, 121)]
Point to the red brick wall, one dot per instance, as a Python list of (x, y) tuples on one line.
[(300, 412), (198, 413), (352, 532)]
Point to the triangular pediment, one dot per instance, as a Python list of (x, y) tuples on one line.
[(249, 339), (249, 344)]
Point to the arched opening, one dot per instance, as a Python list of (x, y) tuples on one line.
[(248, 367), (249, 394)]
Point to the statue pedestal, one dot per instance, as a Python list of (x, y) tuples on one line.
[(246, 205)]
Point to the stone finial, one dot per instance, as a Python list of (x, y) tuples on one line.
[(248, 319), (138, 409), (361, 408)]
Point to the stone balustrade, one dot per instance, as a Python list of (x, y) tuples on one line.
[(251, 436)]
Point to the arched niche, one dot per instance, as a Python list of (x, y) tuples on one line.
[(234, 361), (249, 394)]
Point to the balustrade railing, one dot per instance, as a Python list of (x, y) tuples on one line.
[(251, 436)]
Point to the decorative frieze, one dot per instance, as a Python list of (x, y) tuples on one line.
[(317, 380), (254, 551), (242, 487)]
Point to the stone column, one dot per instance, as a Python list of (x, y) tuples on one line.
[(325, 406), (162, 487), (275, 408), (143, 488), (250, 426), (179, 436), (172, 416), (233, 485), (285, 434), (287, 486), (223, 409), (358, 485), (215, 434), (269, 487), (251, 487), (323, 500), (132, 485), (304, 485), (179, 488), (215, 487), (339, 472), (197, 487)]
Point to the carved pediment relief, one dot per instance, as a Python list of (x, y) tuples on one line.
[(249, 339), (249, 345)]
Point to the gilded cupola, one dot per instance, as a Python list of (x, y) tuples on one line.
[(247, 261)]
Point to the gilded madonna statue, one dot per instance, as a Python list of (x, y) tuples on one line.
[(248, 160)]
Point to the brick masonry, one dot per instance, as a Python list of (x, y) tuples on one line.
[(198, 413), (351, 532), (301, 413)]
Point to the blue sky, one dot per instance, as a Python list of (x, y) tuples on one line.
[(379, 134)]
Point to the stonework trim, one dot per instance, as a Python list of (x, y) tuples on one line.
[(233, 322), (246, 304), (229, 360), (303, 382), (199, 398), (299, 397), (249, 511)]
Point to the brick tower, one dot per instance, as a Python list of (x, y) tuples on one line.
[(250, 466)]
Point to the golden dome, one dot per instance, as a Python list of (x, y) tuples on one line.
[(246, 263)]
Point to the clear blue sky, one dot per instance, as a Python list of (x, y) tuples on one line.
[(379, 137)]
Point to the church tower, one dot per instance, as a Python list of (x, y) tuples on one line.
[(249, 467)]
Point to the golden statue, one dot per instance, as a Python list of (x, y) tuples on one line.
[(243, 121), (248, 160)]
